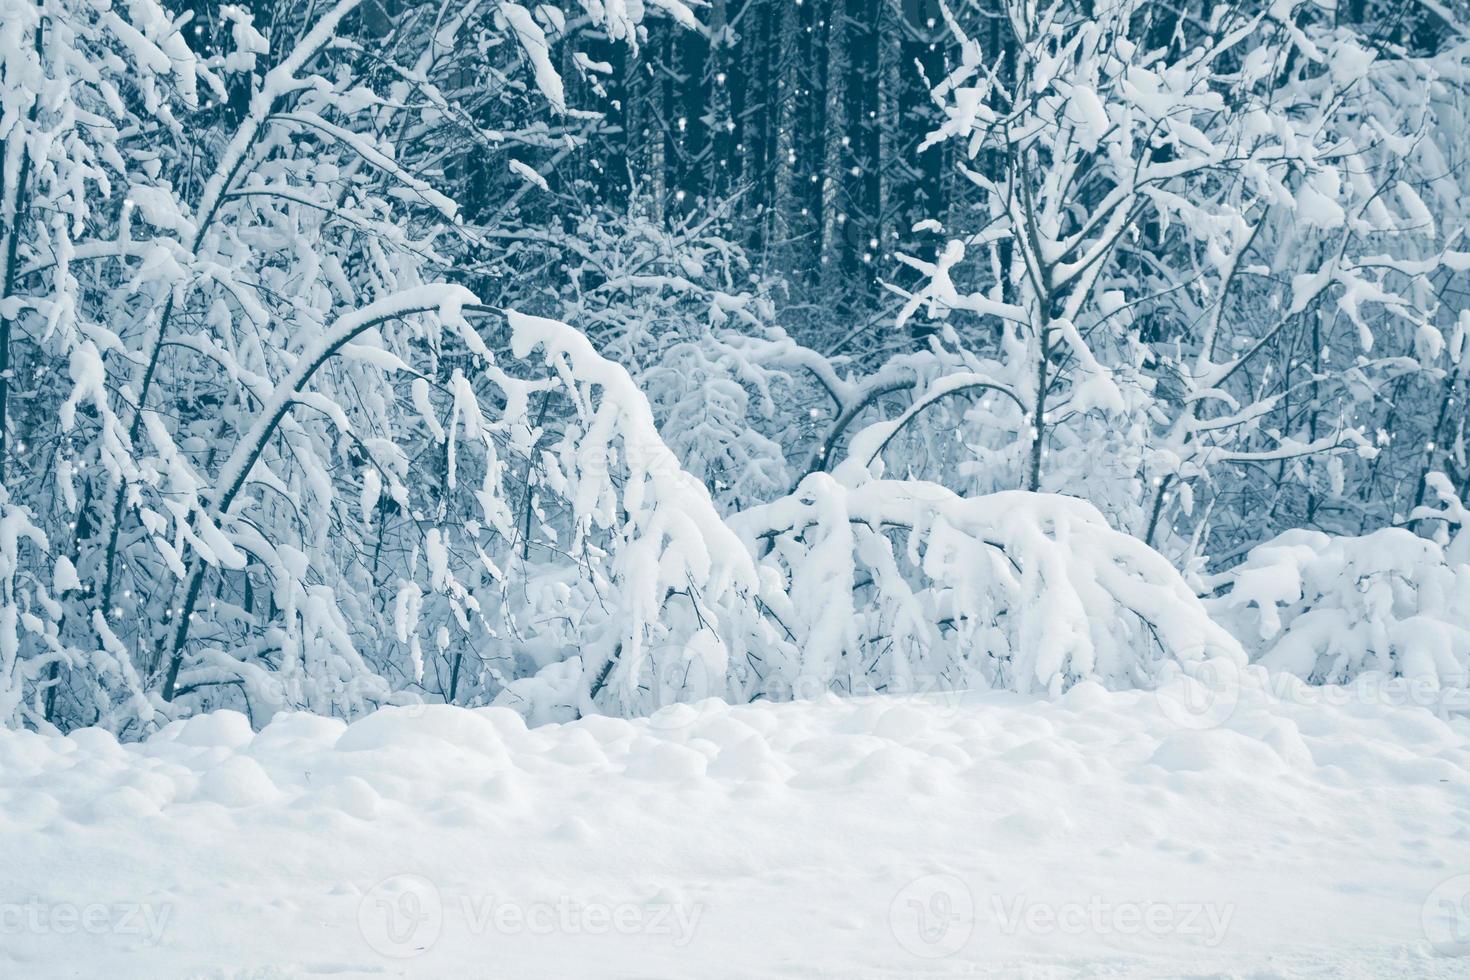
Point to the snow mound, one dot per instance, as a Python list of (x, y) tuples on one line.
[(998, 834)]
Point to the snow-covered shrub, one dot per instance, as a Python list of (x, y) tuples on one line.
[(239, 272), (901, 583), (857, 584), (270, 436), (644, 528), (1330, 608), (681, 309)]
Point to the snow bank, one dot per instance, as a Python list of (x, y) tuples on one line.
[(1096, 833)]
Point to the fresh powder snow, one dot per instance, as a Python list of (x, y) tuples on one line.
[(1287, 833)]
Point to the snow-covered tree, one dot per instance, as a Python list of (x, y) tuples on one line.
[(234, 263), (1122, 189), (374, 352)]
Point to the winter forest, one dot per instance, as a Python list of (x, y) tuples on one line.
[(587, 361)]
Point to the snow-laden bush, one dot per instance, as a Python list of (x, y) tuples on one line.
[(682, 309), (644, 527), (1142, 221), (854, 584), (1330, 608), (262, 446), (889, 583), (226, 348)]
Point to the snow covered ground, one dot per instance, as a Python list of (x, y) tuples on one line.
[(1100, 834)]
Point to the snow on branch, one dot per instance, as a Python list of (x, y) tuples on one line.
[(670, 536), (1015, 590)]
